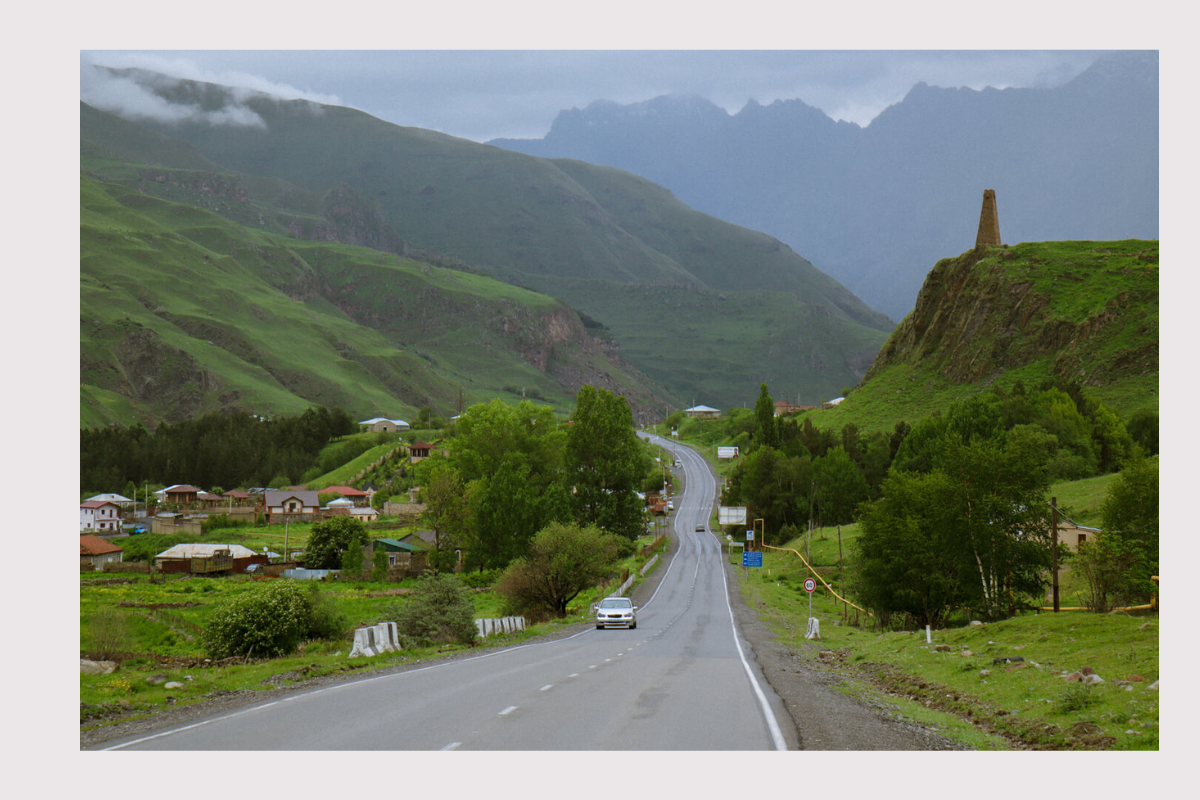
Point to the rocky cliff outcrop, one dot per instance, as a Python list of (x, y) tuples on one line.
[(1089, 309)]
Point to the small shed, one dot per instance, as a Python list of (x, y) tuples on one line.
[(419, 450), (95, 552)]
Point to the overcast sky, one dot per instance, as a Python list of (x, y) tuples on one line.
[(485, 94)]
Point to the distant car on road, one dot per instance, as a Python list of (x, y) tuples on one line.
[(616, 612), (699, 529)]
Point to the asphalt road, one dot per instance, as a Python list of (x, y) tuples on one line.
[(684, 679)]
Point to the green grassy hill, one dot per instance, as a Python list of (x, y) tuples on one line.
[(183, 311), (618, 247), (1085, 312)]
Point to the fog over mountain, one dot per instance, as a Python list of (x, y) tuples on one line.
[(875, 207)]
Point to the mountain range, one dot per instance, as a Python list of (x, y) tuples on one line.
[(875, 207), (291, 253)]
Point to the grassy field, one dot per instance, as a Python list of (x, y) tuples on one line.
[(154, 627), (962, 691)]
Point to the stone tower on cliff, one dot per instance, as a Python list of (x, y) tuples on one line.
[(989, 222)]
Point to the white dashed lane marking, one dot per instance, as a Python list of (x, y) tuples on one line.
[(508, 710)]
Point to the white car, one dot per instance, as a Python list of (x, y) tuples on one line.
[(616, 612)]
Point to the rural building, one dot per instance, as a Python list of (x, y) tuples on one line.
[(209, 500), (783, 408), (110, 497), (178, 559), (294, 505), (100, 516), (421, 540), (356, 496), (239, 498), (95, 552), (382, 425), (1070, 534), (339, 507), (702, 412), (180, 494), (364, 513), (419, 450), (831, 403)]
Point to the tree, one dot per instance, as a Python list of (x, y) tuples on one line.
[(908, 553), (1143, 430), (1130, 523), (764, 419), (439, 612), (842, 486), (563, 560), (771, 485), (605, 464), (329, 538), (509, 507), (447, 507), (971, 532)]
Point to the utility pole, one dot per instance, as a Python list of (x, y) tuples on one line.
[(1054, 548)]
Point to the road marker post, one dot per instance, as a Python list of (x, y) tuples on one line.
[(814, 626)]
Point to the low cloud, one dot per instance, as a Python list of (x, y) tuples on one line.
[(137, 97)]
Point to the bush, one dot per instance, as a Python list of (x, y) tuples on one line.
[(267, 621), (439, 612), (481, 579)]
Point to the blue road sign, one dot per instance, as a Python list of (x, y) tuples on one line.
[(751, 559)]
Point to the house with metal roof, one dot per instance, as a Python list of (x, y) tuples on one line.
[(702, 412), (384, 425)]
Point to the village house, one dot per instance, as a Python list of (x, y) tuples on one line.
[(181, 494), (110, 497), (382, 425), (1071, 534), (418, 451), (702, 412), (95, 552), (100, 516), (356, 496), (783, 408), (294, 505), (239, 498)]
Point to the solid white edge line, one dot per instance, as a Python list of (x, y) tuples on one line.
[(772, 723)]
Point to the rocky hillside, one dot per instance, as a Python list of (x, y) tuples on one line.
[(1083, 312)]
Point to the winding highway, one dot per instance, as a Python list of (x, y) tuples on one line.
[(684, 679)]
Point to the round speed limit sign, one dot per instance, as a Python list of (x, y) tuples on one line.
[(810, 585)]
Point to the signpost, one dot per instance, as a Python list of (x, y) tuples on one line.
[(752, 559), (810, 586)]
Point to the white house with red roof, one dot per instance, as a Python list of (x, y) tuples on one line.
[(100, 516)]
